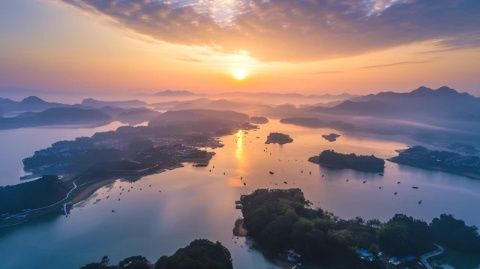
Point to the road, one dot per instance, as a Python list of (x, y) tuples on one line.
[(425, 257)]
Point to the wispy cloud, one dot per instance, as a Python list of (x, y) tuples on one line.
[(297, 30), (395, 64)]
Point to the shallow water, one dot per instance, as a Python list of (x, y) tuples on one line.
[(195, 203)]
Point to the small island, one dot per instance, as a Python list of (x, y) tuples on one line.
[(332, 159), (444, 161), (286, 227), (332, 137), (258, 120), (198, 254), (278, 138)]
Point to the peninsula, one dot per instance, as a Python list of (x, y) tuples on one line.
[(283, 224), (444, 161), (87, 163)]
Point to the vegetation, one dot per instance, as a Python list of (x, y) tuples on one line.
[(330, 158), (200, 254), (280, 220), (34, 194), (278, 138), (402, 236), (258, 120), (455, 234), (445, 161)]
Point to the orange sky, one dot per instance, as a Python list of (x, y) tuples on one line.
[(70, 49)]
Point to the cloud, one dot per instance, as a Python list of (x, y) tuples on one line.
[(395, 64), (303, 30)]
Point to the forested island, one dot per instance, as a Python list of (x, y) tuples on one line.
[(259, 120), (278, 138), (444, 161), (283, 222), (199, 254), (332, 159), (87, 163), (332, 137)]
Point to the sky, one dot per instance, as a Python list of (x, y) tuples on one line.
[(309, 46)]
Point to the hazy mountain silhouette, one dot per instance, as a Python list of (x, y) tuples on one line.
[(174, 93), (90, 102), (31, 103), (56, 116), (421, 104)]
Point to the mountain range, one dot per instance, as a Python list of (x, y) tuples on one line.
[(442, 104)]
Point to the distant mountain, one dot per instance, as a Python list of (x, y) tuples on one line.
[(328, 97), (90, 102), (29, 104), (56, 116), (213, 104), (421, 104), (174, 93)]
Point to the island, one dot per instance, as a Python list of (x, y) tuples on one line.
[(332, 137), (445, 161), (332, 159), (285, 226), (198, 254), (129, 153), (278, 138), (258, 120)]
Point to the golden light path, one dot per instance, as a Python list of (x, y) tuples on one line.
[(235, 180)]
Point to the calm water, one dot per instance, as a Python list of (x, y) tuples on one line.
[(194, 203)]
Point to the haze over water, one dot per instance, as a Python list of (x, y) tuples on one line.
[(195, 203)]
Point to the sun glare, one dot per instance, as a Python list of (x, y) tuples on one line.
[(240, 65), (240, 74)]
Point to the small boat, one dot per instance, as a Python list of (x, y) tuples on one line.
[(398, 182), (415, 187), (271, 173), (379, 188), (364, 181), (285, 182), (420, 202), (395, 193)]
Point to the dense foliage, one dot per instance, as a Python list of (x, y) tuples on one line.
[(33, 194), (403, 236), (446, 161), (334, 159), (200, 254), (280, 219), (456, 234)]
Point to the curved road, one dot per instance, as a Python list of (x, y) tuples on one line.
[(425, 257)]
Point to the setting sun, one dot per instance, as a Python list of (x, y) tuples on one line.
[(240, 74)]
